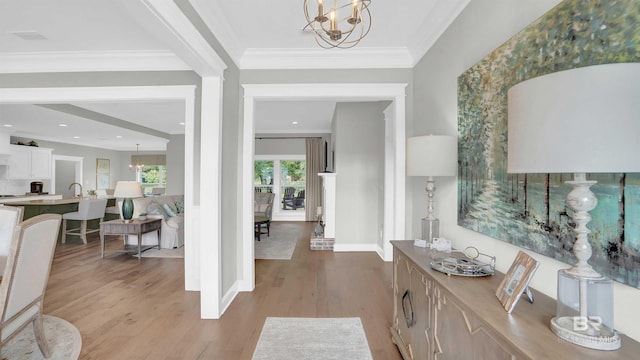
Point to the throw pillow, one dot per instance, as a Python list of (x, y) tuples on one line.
[(180, 206), (155, 209), (168, 210)]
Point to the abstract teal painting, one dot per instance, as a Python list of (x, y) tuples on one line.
[(529, 210)]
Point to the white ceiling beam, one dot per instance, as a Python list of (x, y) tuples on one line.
[(165, 19)]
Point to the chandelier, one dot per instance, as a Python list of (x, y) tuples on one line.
[(137, 166), (342, 26)]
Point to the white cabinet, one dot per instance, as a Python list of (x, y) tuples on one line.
[(27, 162)]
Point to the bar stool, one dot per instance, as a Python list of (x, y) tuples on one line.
[(89, 209)]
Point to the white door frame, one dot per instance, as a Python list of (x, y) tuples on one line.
[(78, 162), (332, 92)]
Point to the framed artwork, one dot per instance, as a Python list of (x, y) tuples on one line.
[(103, 169), (516, 281), (529, 210)]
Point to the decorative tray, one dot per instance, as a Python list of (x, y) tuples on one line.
[(463, 263)]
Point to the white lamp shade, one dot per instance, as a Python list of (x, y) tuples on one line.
[(432, 155), (581, 120), (128, 189)]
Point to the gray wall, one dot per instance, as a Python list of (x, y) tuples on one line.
[(482, 26), (359, 150), (279, 146), (175, 165)]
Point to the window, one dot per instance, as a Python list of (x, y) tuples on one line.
[(151, 176)]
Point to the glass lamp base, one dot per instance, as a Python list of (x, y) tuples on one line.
[(587, 333), (430, 229)]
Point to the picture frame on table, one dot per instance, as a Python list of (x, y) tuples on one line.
[(516, 281)]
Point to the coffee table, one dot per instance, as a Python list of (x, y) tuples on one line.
[(134, 227), (258, 221)]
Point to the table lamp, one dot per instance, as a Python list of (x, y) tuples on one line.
[(583, 120), (127, 190), (431, 156)]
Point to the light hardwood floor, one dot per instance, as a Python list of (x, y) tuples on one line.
[(137, 309)]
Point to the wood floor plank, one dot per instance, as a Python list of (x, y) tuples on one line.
[(127, 308)]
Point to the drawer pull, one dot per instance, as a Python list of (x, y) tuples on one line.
[(409, 320)]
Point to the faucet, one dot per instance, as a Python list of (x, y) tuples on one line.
[(75, 183)]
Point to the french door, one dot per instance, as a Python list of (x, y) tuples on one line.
[(285, 176)]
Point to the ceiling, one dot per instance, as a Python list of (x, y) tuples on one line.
[(107, 35)]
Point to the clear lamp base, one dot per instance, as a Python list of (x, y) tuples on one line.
[(585, 333)]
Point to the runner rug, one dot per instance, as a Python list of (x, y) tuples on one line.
[(312, 339)]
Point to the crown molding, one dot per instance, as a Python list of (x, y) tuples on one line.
[(356, 58), (82, 61)]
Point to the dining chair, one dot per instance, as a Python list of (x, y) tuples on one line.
[(25, 278), (10, 216), (88, 209)]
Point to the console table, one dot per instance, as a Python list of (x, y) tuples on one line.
[(134, 227), (453, 317)]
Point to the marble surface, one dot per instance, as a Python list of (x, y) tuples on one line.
[(45, 201), (22, 199)]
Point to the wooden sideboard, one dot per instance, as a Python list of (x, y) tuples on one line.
[(453, 317)]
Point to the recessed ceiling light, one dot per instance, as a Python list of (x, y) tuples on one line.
[(294, 122), (118, 136), (62, 125), (182, 123), (76, 137), (7, 125), (28, 35)]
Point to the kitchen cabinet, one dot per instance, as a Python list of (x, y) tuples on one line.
[(29, 162), (437, 317)]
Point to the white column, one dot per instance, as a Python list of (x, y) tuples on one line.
[(329, 204)]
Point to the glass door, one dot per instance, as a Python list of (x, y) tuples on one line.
[(285, 176)]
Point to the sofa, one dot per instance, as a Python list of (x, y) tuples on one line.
[(169, 208)]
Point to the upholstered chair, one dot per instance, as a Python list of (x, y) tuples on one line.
[(88, 209), (263, 204), (25, 278), (10, 216)]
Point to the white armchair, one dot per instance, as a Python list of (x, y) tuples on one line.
[(25, 278)]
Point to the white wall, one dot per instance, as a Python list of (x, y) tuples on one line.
[(482, 26), (359, 150)]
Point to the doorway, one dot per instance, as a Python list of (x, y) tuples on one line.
[(394, 188), (66, 170)]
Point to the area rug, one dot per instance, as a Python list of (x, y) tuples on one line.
[(164, 253), (312, 339), (280, 244), (63, 338)]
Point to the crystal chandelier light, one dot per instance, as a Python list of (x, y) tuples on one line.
[(341, 26)]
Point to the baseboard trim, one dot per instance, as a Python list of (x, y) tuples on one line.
[(354, 247), (228, 297)]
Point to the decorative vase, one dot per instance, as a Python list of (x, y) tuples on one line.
[(127, 209)]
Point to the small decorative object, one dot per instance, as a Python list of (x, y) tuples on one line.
[(318, 230), (92, 193), (462, 263), (142, 216), (33, 143), (516, 282)]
